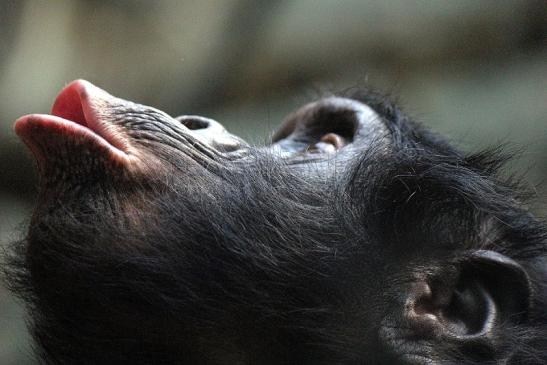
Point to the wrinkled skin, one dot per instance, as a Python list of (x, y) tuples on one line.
[(355, 237)]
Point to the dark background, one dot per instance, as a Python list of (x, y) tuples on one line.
[(473, 70)]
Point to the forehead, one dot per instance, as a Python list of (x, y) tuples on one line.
[(354, 124), (345, 116), (335, 104)]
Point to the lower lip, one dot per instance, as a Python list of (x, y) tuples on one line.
[(43, 129)]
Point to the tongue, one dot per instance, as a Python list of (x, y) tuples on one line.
[(75, 118), (68, 104)]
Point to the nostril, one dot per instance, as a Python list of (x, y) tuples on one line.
[(195, 123), (211, 132)]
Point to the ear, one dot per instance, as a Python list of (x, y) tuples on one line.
[(485, 289)]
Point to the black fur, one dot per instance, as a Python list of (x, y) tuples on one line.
[(266, 264)]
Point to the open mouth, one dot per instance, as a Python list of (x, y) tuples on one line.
[(75, 118)]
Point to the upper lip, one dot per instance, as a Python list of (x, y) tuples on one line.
[(75, 114)]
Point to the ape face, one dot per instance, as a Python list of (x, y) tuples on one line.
[(355, 237)]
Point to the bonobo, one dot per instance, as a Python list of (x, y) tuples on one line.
[(355, 237)]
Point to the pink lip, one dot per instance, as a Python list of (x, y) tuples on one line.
[(74, 116)]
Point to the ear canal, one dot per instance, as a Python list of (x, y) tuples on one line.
[(471, 311), (488, 289), (460, 309), (506, 280)]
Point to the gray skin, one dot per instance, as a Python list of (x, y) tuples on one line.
[(301, 137), (133, 137)]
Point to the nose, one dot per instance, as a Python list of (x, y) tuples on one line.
[(211, 132)]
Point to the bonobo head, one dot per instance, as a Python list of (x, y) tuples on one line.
[(354, 237)]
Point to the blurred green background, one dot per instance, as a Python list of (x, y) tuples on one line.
[(474, 70)]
